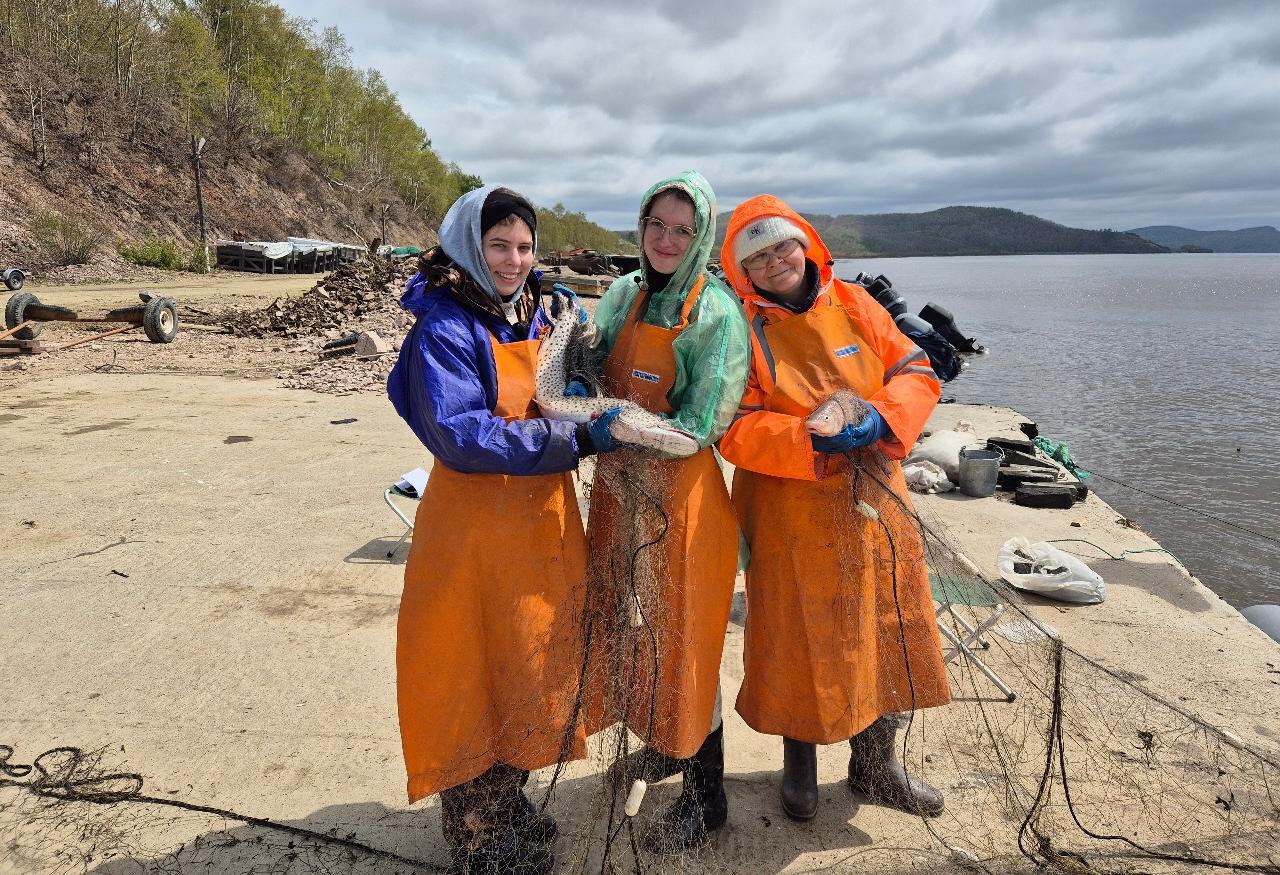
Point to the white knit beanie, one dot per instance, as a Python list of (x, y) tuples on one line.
[(763, 233)]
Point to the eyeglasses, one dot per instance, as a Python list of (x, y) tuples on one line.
[(659, 229), (777, 251)]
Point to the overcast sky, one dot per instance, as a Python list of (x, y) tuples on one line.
[(1093, 113)]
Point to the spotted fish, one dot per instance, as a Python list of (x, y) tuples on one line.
[(841, 409), (634, 425)]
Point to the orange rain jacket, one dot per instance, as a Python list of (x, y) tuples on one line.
[(840, 622)]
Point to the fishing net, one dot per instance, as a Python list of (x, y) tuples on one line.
[(1059, 763), (1085, 771)]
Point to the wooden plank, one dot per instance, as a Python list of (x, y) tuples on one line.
[(96, 337), (30, 323)]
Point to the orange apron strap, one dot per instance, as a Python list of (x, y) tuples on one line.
[(517, 365), (641, 367), (690, 300)]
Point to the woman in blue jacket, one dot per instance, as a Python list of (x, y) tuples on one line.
[(489, 625)]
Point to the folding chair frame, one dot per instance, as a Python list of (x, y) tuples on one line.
[(963, 643), (408, 524)]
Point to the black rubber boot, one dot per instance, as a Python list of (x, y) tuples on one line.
[(504, 853), (647, 764), (876, 772), (534, 827), (702, 807), (799, 779), (478, 822)]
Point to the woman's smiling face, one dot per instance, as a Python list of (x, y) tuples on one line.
[(778, 269), (669, 229), (508, 250)]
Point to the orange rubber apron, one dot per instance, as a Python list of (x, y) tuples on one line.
[(840, 623), (490, 621), (664, 544)]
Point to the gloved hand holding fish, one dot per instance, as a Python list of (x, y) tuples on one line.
[(633, 424), (844, 422)]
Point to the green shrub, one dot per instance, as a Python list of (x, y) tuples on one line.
[(153, 252), (61, 241), (199, 262)]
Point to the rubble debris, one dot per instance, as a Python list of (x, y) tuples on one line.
[(352, 296), (355, 309)]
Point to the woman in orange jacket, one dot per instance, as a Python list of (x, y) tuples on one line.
[(841, 636)]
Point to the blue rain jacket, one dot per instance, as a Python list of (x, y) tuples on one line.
[(445, 384)]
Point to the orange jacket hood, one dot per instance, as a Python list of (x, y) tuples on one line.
[(760, 207)]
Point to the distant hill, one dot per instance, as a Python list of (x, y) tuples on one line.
[(964, 231), (1262, 239)]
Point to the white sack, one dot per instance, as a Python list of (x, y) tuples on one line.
[(942, 448), (926, 477), (1054, 574)]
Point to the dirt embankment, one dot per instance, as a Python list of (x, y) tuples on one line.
[(131, 178)]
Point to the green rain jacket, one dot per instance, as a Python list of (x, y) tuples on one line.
[(713, 354)]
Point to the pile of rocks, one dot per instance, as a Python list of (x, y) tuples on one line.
[(362, 294), (350, 321)]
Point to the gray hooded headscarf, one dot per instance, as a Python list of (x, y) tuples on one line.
[(460, 238)]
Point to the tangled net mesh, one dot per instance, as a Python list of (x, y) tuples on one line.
[(1086, 771)]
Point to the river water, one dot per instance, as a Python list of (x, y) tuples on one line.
[(1159, 370)]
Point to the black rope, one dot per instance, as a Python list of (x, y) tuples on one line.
[(1057, 750), (1217, 519), (72, 780)]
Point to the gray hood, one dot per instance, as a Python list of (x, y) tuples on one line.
[(460, 238)]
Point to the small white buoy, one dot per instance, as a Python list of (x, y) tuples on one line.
[(968, 563), (868, 511), (635, 797), (637, 615)]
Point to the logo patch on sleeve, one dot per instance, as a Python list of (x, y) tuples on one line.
[(845, 351), (646, 376)]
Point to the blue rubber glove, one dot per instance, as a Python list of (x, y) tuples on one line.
[(867, 432), (598, 428), (562, 295), (576, 389)]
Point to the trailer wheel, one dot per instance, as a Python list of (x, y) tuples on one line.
[(14, 278), (160, 320), (13, 314)]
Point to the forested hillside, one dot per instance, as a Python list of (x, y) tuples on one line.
[(99, 100), (1264, 238), (964, 231), (560, 229)]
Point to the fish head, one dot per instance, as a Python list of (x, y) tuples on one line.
[(827, 419)]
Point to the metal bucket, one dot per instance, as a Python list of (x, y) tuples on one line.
[(978, 471)]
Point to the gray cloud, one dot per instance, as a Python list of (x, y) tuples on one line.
[(1089, 112)]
